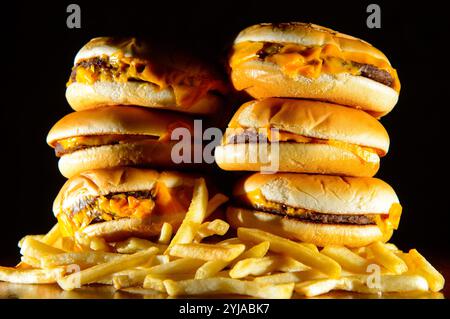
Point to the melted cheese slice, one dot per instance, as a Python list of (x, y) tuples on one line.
[(295, 59)]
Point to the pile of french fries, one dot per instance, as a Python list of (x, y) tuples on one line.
[(194, 262)]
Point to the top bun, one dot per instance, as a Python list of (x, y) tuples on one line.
[(307, 34), (320, 193), (117, 120), (313, 119)]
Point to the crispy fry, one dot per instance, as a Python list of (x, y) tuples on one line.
[(288, 277), (53, 234), (346, 258), (133, 245), (301, 253), (214, 203), (422, 267), (31, 276), (179, 266), (387, 258), (36, 249), (227, 286), (35, 237), (215, 227), (264, 265), (166, 234), (30, 261), (99, 244), (316, 287), (94, 273), (194, 217), (83, 259), (207, 251), (210, 268)]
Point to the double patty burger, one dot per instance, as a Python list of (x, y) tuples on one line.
[(312, 136), (110, 71), (309, 61), (319, 209), (122, 202), (115, 136)]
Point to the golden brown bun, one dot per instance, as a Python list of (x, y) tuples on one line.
[(295, 157), (103, 182), (318, 234), (116, 120), (120, 229), (178, 71), (117, 180), (263, 79), (320, 193), (307, 34), (145, 153), (313, 119), (83, 96)]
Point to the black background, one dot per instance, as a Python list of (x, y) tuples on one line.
[(413, 36)]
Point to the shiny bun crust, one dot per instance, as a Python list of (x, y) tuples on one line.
[(83, 96), (320, 193), (140, 153), (264, 79), (307, 34), (313, 119), (316, 233), (103, 182), (296, 157), (116, 120)]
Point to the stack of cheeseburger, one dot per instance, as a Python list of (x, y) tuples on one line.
[(128, 96), (314, 226), (313, 134)]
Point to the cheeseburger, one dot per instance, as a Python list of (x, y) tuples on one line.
[(122, 202), (110, 71), (310, 137), (115, 136), (320, 209), (303, 60)]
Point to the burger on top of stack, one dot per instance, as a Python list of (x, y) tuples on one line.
[(316, 87), (129, 95)]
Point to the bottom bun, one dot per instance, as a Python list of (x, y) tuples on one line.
[(123, 228), (296, 158), (318, 234), (142, 153)]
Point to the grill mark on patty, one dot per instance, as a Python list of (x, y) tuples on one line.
[(321, 218), (366, 70)]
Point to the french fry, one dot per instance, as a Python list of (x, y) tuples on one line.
[(391, 247), (36, 249), (301, 253), (210, 268), (423, 268), (35, 237), (289, 277), (179, 266), (194, 217), (215, 227), (227, 286), (346, 258), (97, 272), (257, 251), (53, 234), (387, 258), (31, 276), (31, 261), (133, 245), (214, 203), (99, 244), (155, 284), (160, 259), (387, 283), (231, 241), (310, 246), (166, 234), (207, 251), (83, 259), (264, 265), (316, 287)]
